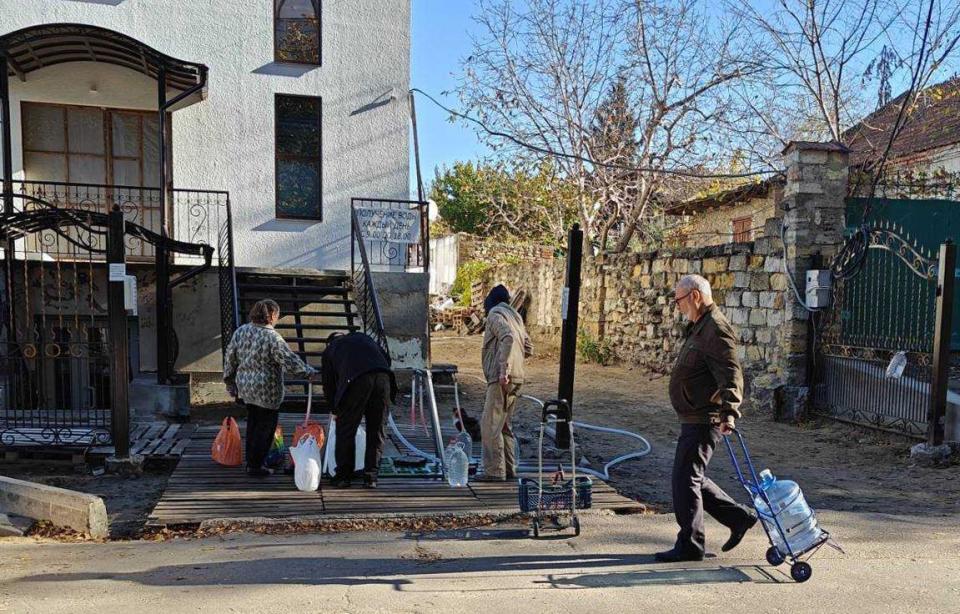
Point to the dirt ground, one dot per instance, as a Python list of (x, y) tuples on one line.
[(839, 467)]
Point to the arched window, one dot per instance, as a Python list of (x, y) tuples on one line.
[(296, 31)]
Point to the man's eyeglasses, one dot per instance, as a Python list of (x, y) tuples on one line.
[(678, 299)]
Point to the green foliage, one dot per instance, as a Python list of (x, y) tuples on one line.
[(467, 274), (593, 350), (521, 202)]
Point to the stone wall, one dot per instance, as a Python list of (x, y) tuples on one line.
[(640, 321), (472, 247), (715, 226)]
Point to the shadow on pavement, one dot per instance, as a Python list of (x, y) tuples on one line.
[(558, 571)]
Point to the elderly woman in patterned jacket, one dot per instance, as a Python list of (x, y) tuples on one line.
[(253, 368)]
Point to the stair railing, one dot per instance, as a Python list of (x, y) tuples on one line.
[(364, 292)]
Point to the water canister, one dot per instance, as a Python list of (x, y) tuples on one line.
[(796, 518), (463, 438), (458, 465)]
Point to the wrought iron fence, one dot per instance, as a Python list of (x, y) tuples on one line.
[(364, 292), (390, 254)]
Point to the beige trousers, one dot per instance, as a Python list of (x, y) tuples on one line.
[(499, 445)]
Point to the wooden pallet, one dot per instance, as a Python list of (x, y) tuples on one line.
[(154, 440), (200, 490)]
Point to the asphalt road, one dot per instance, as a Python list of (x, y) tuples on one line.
[(892, 564)]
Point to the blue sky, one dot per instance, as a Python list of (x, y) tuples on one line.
[(440, 39)]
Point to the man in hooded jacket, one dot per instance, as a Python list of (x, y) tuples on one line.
[(505, 346)]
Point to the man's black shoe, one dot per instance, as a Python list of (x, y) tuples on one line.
[(736, 535), (259, 472), (677, 556), (369, 482), (340, 482)]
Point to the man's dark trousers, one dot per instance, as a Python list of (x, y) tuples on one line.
[(261, 426), (367, 397), (694, 492)]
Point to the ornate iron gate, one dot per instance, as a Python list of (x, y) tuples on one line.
[(58, 362), (884, 302), (56, 349)]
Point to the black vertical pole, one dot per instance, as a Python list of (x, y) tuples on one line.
[(416, 147), (570, 310), (941, 343), (162, 257), (119, 375), (162, 317), (10, 245), (7, 143)]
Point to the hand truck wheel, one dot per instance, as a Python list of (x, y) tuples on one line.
[(576, 526), (801, 571), (774, 557), (536, 528)]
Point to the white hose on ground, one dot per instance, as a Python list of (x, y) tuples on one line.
[(406, 443), (604, 475)]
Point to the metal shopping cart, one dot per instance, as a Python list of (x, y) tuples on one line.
[(559, 499), (772, 515)]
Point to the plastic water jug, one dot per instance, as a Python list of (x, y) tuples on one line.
[(463, 438), (796, 518), (458, 465)]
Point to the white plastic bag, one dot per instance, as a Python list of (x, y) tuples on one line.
[(897, 364), (307, 472), (329, 457)]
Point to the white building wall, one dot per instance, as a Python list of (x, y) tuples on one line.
[(227, 141), (444, 260)]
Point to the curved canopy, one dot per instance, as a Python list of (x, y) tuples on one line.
[(44, 45)]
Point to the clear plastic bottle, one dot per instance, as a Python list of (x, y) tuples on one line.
[(796, 518), (463, 438), (458, 464)]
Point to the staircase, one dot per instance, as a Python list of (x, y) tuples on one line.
[(313, 305)]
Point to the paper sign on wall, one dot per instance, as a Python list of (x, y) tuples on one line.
[(390, 225), (118, 271)]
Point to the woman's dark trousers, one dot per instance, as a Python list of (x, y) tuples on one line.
[(261, 425)]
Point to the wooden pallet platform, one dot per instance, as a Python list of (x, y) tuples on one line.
[(155, 440), (200, 490)]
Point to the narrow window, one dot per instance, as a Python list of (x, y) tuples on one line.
[(296, 31), (298, 167), (742, 230)]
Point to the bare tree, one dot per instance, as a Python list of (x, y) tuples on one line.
[(540, 74), (823, 55)]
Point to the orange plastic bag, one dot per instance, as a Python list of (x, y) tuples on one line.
[(309, 427), (227, 449)]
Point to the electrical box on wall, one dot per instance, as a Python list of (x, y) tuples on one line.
[(818, 289), (130, 294)]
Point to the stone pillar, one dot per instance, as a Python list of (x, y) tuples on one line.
[(813, 213)]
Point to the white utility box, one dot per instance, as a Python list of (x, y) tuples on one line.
[(130, 294), (818, 289)]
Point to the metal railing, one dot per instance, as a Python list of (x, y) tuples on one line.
[(197, 216), (194, 217), (364, 292), (391, 255)]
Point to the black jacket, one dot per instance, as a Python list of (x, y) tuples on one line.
[(346, 358), (707, 380)]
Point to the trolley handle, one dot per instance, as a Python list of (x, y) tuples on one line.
[(750, 481), (559, 409)]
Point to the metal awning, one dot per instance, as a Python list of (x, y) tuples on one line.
[(39, 46)]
